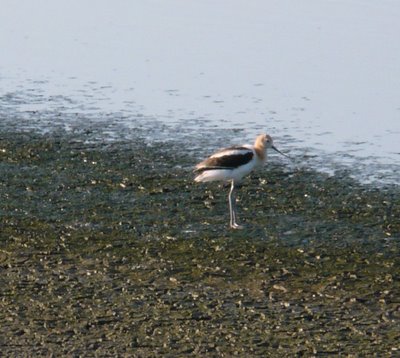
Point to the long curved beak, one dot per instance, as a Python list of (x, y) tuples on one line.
[(277, 150)]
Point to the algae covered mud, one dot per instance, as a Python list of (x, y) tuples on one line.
[(109, 249)]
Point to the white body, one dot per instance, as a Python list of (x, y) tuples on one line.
[(233, 164), (228, 174)]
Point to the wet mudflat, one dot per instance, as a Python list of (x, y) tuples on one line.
[(110, 249)]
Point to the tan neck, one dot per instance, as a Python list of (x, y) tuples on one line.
[(259, 147)]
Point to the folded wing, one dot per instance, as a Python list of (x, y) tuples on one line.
[(229, 158)]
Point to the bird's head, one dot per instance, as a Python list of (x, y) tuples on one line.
[(266, 141)]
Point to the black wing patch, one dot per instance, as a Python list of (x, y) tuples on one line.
[(230, 161)]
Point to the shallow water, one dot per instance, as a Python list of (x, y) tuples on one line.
[(38, 111), (323, 84), (106, 245)]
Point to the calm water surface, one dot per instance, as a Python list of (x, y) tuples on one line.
[(322, 78)]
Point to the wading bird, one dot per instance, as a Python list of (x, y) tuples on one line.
[(232, 164)]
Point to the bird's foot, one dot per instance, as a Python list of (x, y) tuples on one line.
[(236, 226)]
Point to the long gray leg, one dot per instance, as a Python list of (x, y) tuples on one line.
[(232, 217), (232, 208)]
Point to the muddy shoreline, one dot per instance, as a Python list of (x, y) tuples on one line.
[(110, 249)]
